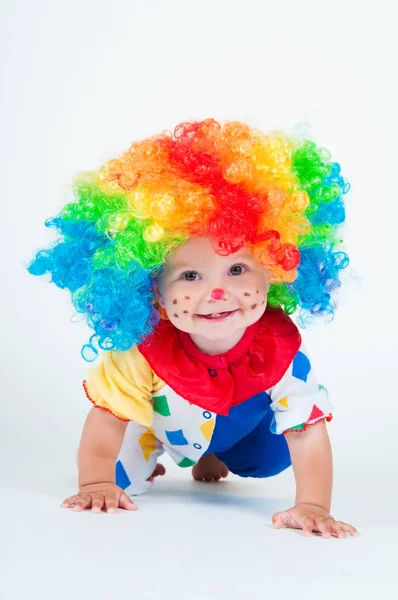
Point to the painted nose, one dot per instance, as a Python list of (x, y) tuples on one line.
[(217, 294)]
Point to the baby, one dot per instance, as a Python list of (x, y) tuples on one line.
[(222, 232)]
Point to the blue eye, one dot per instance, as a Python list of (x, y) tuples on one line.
[(237, 270), (194, 276), (187, 276)]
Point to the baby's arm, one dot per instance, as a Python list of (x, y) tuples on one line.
[(311, 455), (301, 407), (100, 444)]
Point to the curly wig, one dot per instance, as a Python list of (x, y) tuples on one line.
[(280, 195)]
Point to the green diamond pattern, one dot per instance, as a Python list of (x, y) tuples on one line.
[(186, 462), (161, 406)]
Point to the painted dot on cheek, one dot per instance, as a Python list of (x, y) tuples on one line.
[(247, 294), (185, 312), (257, 291), (187, 297), (174, 301), (254, 306), (176, 316)]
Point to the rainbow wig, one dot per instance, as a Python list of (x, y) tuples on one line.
[(280, 195)]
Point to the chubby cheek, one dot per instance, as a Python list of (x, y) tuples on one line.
[(180, 306), (254, 298)]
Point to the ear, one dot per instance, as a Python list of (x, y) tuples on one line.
[(158, 294)]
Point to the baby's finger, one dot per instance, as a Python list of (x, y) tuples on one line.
[(97, 502), (308, 525), (338, 530), (324, 527), (280, 519), (110, 503), (83, 501), (126, 502), (349, 528), (69, 501)]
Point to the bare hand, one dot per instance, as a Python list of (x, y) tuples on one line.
[(310, 517), (99, 495)]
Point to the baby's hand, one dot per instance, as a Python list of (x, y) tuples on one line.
[(98, 495), (309, 517)]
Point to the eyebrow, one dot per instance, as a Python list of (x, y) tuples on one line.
[(179, 266)]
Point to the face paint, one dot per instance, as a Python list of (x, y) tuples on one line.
[(193, 305), (217, 294)]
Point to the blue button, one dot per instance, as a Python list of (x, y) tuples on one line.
[(212, 372), (207, 414), (197, 446)]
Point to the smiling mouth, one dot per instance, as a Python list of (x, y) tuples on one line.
[(221, 316)]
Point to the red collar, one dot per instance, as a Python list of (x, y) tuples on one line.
[(257, 362), (219, 360)]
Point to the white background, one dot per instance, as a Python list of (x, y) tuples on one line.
[(80, 81)]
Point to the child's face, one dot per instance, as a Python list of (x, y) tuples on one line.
[(196, 283)]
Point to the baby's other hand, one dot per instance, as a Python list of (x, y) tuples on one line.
[(310, 517), (99, 495)]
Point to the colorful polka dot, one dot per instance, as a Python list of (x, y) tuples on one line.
[(148, 443), (122, 479), (315, 413), (186, 462), (284, 402), (176, 438), (207, 429), (301, 366), (161, 406), (296, 428)]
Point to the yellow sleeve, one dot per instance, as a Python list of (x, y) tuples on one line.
[(123, 384)]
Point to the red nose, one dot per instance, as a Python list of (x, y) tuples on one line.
[(217, 294)]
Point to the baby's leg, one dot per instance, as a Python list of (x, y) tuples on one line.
[(136, 464)]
